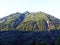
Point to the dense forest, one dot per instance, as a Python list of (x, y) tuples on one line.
[(30, 38)]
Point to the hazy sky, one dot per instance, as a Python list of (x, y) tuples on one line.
[(48, 6)]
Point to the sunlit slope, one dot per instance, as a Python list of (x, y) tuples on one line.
[(34, 21)]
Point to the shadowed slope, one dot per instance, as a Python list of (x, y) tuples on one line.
[(18, 20), (28, 38)]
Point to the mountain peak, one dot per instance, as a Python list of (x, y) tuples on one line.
[(27, 12), (30, 21), (18, 13)]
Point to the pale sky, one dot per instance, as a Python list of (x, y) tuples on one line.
[(11, 6)]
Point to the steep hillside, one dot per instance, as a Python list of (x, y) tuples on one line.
[(29, 21)]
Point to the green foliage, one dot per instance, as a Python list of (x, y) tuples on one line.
[(58, 41), (8, 23), (58, 27), (39, 43), (34, 17), (28, 22)]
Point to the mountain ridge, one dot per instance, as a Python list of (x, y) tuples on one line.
[(29, 21)]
